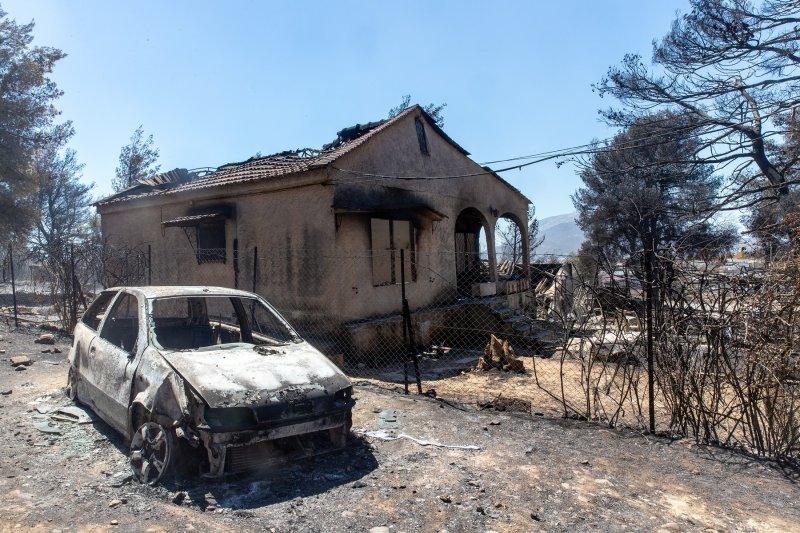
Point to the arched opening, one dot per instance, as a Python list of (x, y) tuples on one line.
[(511, 245), (470, 247)]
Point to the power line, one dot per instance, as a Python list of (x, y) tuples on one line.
[(545, 156)]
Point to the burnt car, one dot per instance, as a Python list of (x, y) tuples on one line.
[(205, 373)]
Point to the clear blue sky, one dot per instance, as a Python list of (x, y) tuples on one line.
[(218, 82)]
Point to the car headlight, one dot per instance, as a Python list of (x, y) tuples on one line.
[(344, 395)]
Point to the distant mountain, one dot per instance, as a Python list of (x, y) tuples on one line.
[(562, 235)]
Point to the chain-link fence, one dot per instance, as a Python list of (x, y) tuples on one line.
[(546, 340)]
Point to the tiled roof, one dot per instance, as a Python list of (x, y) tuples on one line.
[(257, 168)]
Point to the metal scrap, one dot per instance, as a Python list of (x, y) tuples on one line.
[(45, 427), (71, 413), (386, 435), (388, 419)]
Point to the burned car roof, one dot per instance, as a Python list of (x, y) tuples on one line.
[(151, 292)]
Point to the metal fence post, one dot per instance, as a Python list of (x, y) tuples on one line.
[(13, 283), (408, 333), (235, 263), (255, 267)]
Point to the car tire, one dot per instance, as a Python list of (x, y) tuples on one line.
[(152, 451), (72, 385)]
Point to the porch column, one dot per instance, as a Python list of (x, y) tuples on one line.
[(491, 252)]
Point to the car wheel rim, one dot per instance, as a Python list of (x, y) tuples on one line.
[(151, 448)]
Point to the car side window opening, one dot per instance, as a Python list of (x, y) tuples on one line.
[(121, 327), (94, 315)]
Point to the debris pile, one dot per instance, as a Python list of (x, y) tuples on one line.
[(499, 354)]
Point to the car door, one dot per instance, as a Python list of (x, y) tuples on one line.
[(85, 332), (112, 358)]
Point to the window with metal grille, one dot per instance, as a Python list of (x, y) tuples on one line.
[(211, 242)]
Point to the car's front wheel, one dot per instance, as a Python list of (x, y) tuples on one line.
[(152, 447)]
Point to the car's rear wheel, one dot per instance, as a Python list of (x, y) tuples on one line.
[(152, 447), (72, 385)]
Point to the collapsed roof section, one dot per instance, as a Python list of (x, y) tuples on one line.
[(271, 166)]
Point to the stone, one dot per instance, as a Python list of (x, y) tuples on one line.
[(114, 503), (46, 338), (178, 498), (494, 423), (348, 514), (6, 392), (21, 360), (536, 517), (19, 368), (445, 498), (379, 529), (114, 522)]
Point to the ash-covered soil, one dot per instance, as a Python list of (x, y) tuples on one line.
[(529, 473)]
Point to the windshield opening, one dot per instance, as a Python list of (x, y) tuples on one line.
[(195, 322)]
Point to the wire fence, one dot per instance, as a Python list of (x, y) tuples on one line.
[(547, 340)]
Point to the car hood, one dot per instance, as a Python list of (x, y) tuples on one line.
[(241, 375)]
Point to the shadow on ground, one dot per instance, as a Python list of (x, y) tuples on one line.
[(290, 481)]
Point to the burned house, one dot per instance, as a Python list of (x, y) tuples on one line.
[(320, 232)]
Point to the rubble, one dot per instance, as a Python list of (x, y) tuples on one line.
[(46, 338), (21, 360), (499, 354)]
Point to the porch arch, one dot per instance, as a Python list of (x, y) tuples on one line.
[(468, 226), (522, 254)]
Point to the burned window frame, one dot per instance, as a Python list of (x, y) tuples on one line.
[(394, 252), (94, 315), (109, 329), (204, 232), (422, 138)]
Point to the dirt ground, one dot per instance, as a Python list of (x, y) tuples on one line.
[(529, 473)]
